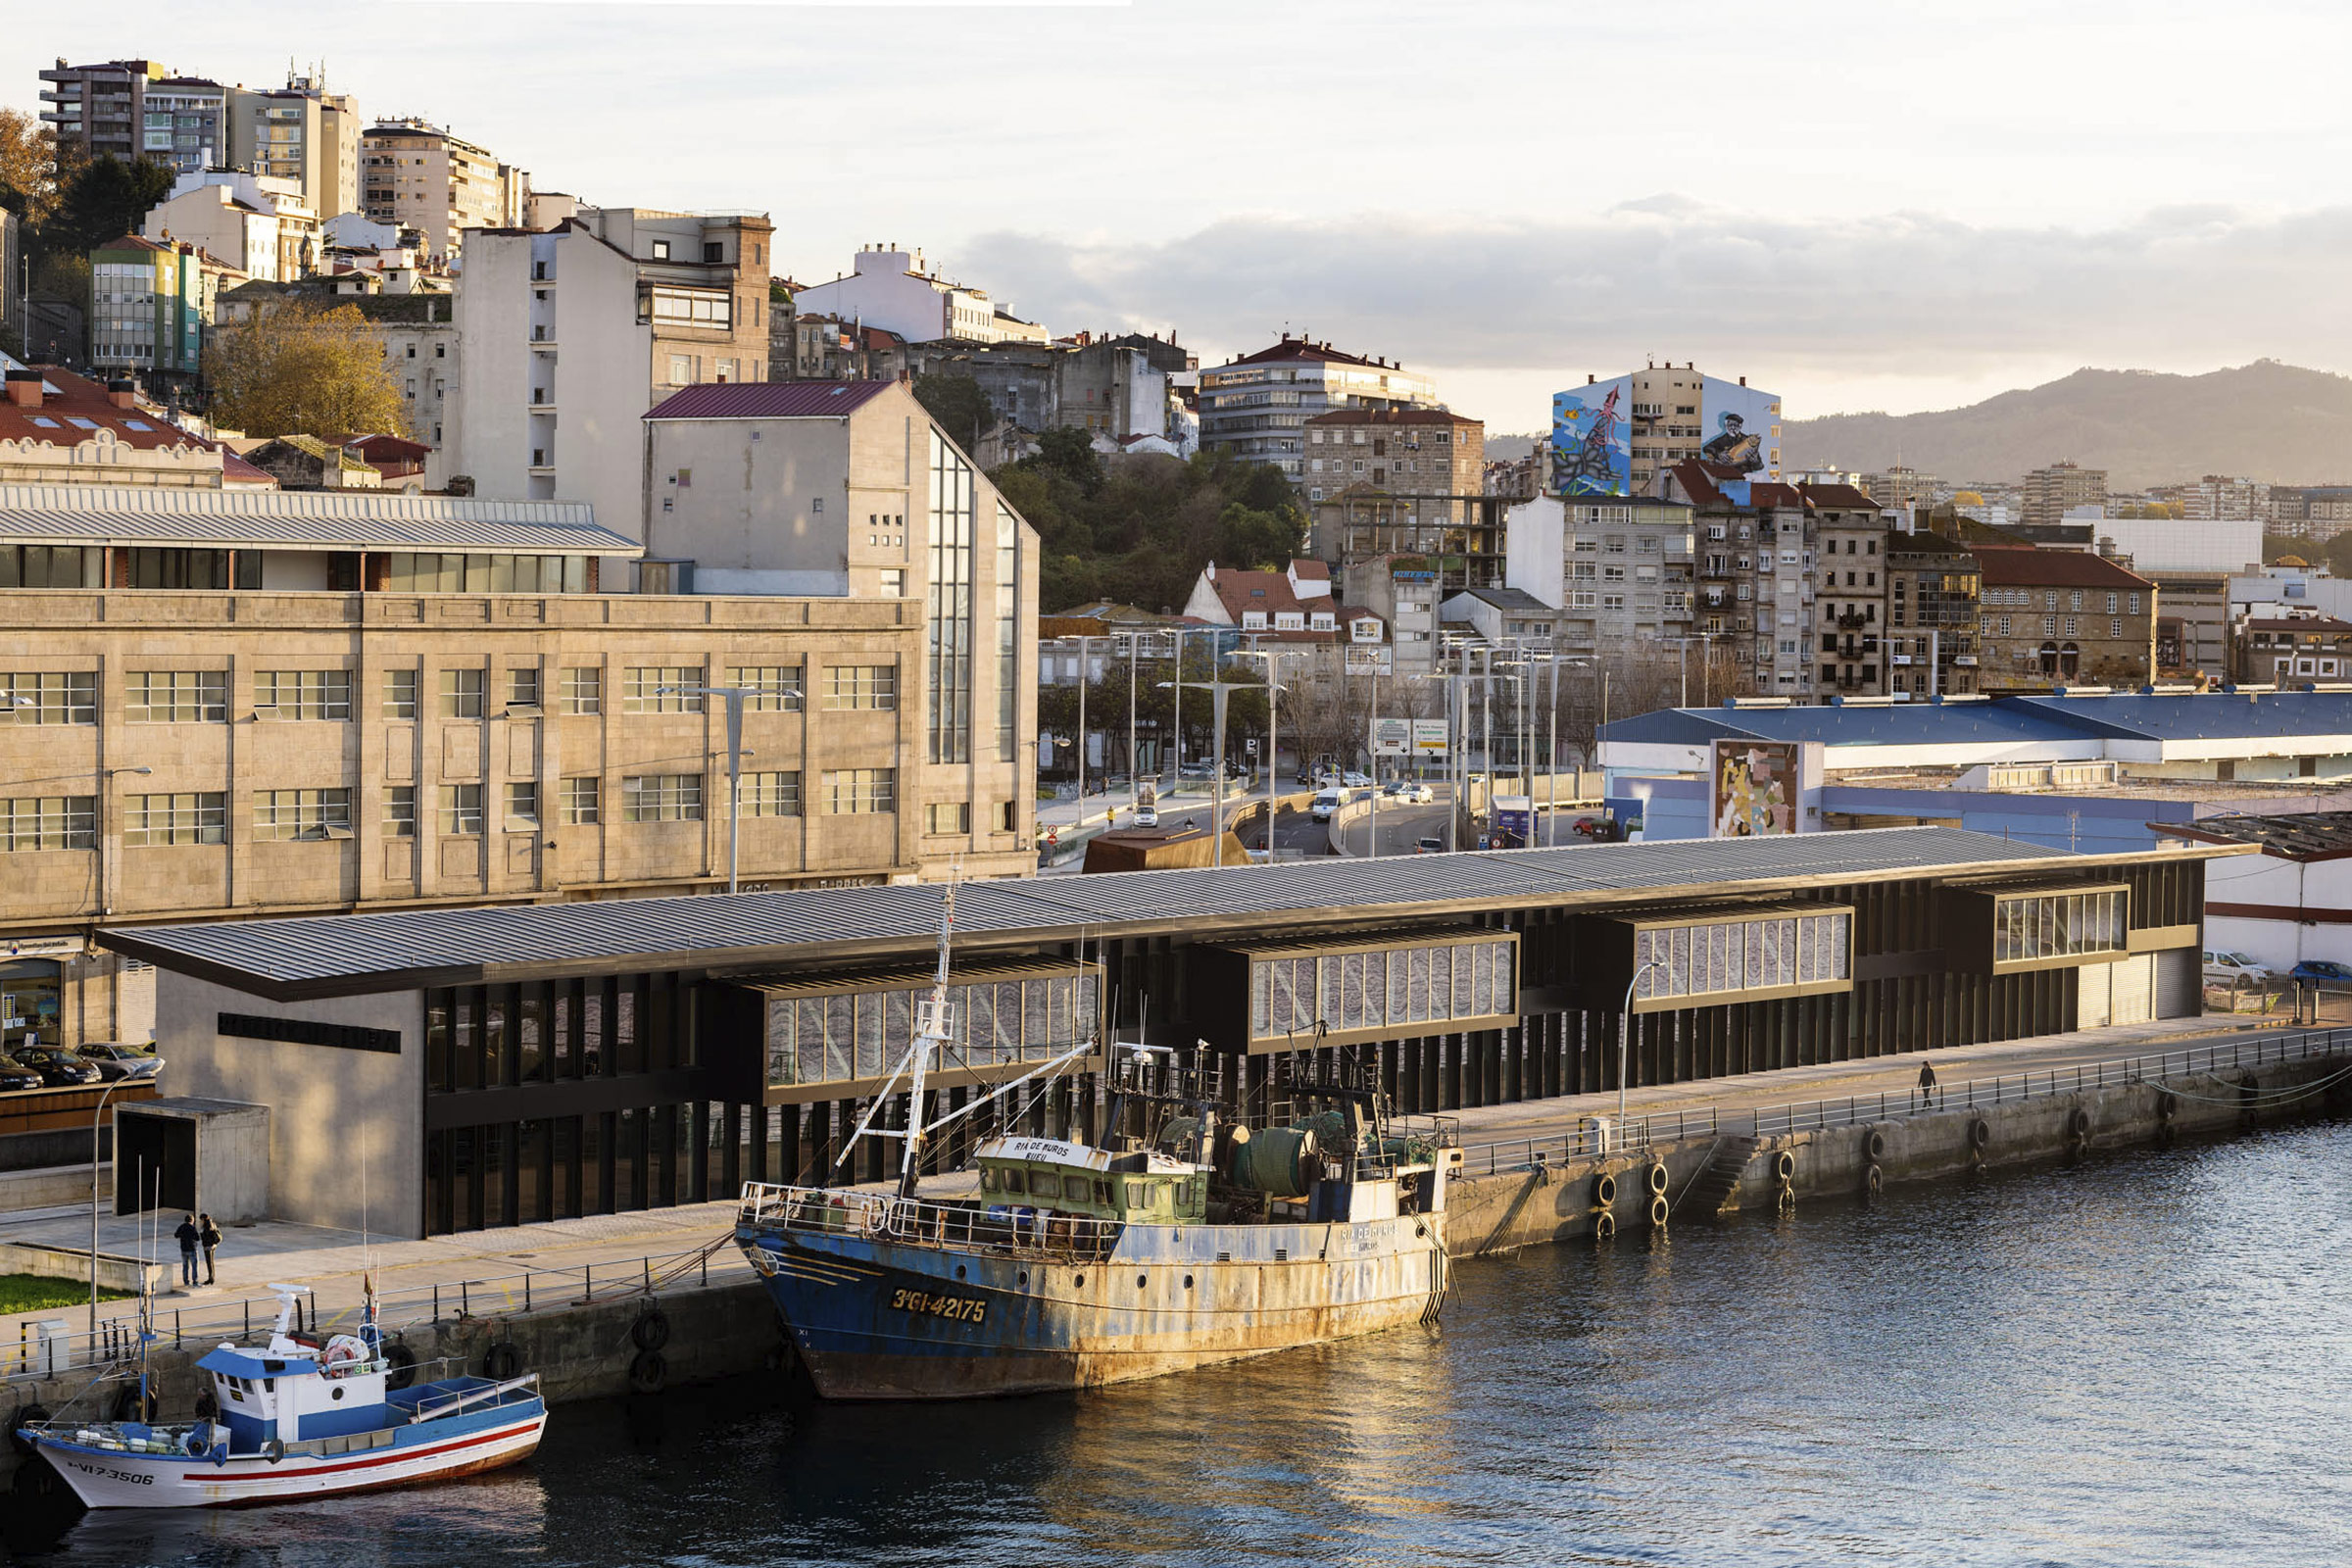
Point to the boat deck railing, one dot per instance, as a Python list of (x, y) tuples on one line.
[(917, 1222)]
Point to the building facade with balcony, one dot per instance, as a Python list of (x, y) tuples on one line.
[(419, 176), (101, 109), (1754, 574), (2063, 618), (148, 311), (1257, 406), (303, 133), (1620, 572)]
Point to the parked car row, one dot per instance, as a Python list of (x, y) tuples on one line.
[(45, 1067)]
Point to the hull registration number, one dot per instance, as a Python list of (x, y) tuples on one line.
[(959, 1309)]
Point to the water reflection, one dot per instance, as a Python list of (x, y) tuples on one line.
[(2138, 1360)]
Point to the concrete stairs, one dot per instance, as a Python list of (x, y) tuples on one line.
[(1714, 1186)]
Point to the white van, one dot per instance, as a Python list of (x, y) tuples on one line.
[(1327, 804)]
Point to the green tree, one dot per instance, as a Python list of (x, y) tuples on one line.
[(102, 200), (1257, 541), (302, 370), (1069, 452), (958, 405)]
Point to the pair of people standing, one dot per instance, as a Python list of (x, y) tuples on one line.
[(196, 1230)]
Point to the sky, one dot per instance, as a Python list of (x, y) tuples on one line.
[(1857, 206)]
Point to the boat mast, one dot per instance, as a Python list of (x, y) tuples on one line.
[(933, 1027)]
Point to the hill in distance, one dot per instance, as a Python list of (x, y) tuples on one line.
[(2264, 421)]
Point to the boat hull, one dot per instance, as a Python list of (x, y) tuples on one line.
[(102, 1478), (879, 1318)]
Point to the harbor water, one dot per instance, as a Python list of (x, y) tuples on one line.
[(2145, 1358)]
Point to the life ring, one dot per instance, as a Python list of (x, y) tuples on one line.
[(400, 1364), (346, 1353), (1659, 1181), (647, 1372), (502, 1361), (273, 1451), (650, 1331), (1873, 1181), (1979, 1133), (1605, 1191), (34, 1417)]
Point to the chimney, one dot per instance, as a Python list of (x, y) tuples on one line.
[(122, 394), (1743, 380), (24, 388)]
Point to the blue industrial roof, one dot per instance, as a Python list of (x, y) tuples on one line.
[(2209, 715), (2151, 716)]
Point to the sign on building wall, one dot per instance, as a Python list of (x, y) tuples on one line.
[(1592, 439), (1756, 789)]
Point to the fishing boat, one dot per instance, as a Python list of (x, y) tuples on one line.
[(299, 1418), (1193, 1234)]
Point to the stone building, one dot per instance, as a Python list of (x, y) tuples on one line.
[(1753, 549), (418, 177), (1934, 589), (2063, 618)]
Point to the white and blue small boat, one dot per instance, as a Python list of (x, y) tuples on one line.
[(301, 1419)]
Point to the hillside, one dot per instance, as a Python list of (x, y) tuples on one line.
[(2265, 420)]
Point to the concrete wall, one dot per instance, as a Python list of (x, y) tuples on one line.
[(318, 1148)]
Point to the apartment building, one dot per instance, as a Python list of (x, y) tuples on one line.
[(847, 492), (260, 225), (1898, 487), (1614, 437), (890, 288), (2051, 493), (2063, 618), (149, 306), (1115, 386), (2282, 650), (1620, 572), (1933, 614), (1406, 593), (134, 109), (421, 347), (1854, 591), (1257, 406), (416, 176), (1753, 548), (302, 134), (569, 337)]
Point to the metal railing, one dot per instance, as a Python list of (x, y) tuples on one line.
[(1594, 1138), (920, 1223)]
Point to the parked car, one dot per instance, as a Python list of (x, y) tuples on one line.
[(1327, 804), (1429, 845), (1305, 775), (13, 1074), (58, 1069), (2234, 969), (1356, 781), (114, 1059), (1411, 791), (2322, 972)]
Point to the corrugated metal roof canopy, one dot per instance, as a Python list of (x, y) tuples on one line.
[(301, 520), (349, 955)]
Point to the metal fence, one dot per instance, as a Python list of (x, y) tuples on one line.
[(1594, 1137)]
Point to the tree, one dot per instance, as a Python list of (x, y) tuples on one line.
[(28, 165), (1069, 452), (1257, 541), (958, 405), (300, 369), (102, 200)]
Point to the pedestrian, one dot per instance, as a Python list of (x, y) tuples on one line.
[(209, 1234), (187, 1237), (1926, 1085)]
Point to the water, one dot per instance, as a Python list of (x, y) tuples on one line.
[(2141, 1360)]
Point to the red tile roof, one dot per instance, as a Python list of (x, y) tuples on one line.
[(1298, 348), (2024, 567), (1395, 416), (1836, 495), (767, 400), (80, 397)]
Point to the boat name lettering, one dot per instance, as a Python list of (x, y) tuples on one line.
[(962, 1309), (131, 1476)]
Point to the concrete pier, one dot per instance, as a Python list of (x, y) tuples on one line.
[(1748, 1144)]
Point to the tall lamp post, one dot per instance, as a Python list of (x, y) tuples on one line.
[(734, 696), (1624, 1039), (1218, 691), (95, 1118), (1273, 729)]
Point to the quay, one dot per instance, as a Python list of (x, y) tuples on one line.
[(636, 1305)]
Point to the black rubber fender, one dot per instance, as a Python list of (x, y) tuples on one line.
[(1874, 1180), (2168, 1104), (502, 1361), (1604, 1226), (1979, 1133), (1659, 1210), (400, 1365), (27, 1415), (647, 1372), (1876, 1143), (1783, 1164), (35, 1479), (650, 1331), (1605, 1191), (2077, 1123)]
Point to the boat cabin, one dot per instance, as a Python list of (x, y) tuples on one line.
[(1060, 1177), (297, 1388)]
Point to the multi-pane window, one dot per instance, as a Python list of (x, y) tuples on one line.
[(859, 791), (662, 797), (406, 573), (48, 822), (51, 697), (1008, 631), (461, 809), (302, 694), (2058, 925), (830, 1037), (948, 724), (462, 693), (522, 687), (523, 803), (770, 688), (399, 810), (301, 813), (875, 686), (582, 801), (1436, 984), (157, 819), (662, 688), (1701, 960), (400, 688), (175, 697), (950, 816), (772, 794), (584, 689), (52, 567)]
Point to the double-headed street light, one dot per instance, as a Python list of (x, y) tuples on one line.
[(734, 697)]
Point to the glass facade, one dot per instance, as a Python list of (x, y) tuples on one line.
[(1728, 956), (1008, 631), (948, 725), (2057, 925), (407, 572), (1410, 990), (839, 1037)]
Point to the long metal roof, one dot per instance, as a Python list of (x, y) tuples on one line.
[(301, 520), (353, 954)]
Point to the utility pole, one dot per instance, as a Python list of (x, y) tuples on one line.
[(733, 696), (1218, 691), (1132, 643)]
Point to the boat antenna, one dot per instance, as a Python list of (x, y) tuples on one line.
[(932, 1026)]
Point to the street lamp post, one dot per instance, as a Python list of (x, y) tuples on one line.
[(1273, 730), (733, 696), (1218, 691), (96, 1116), (1624, 1039)]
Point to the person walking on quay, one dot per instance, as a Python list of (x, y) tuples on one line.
[(209, 1235), (1927, 1086), (187, 1236)]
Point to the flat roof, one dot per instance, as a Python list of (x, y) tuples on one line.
[(2295, 836), (290, 960), (301, 520), (2158, 717)]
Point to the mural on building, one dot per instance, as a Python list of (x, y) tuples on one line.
[(1591, 444), (1755, 789), (1743, 427)]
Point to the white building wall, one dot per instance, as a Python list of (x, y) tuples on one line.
[(883, 292), (2182, 544), (1534, 535)]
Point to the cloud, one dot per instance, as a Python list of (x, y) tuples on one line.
[(1871, 298)]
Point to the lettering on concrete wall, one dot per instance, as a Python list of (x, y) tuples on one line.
[(308, 1032)]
